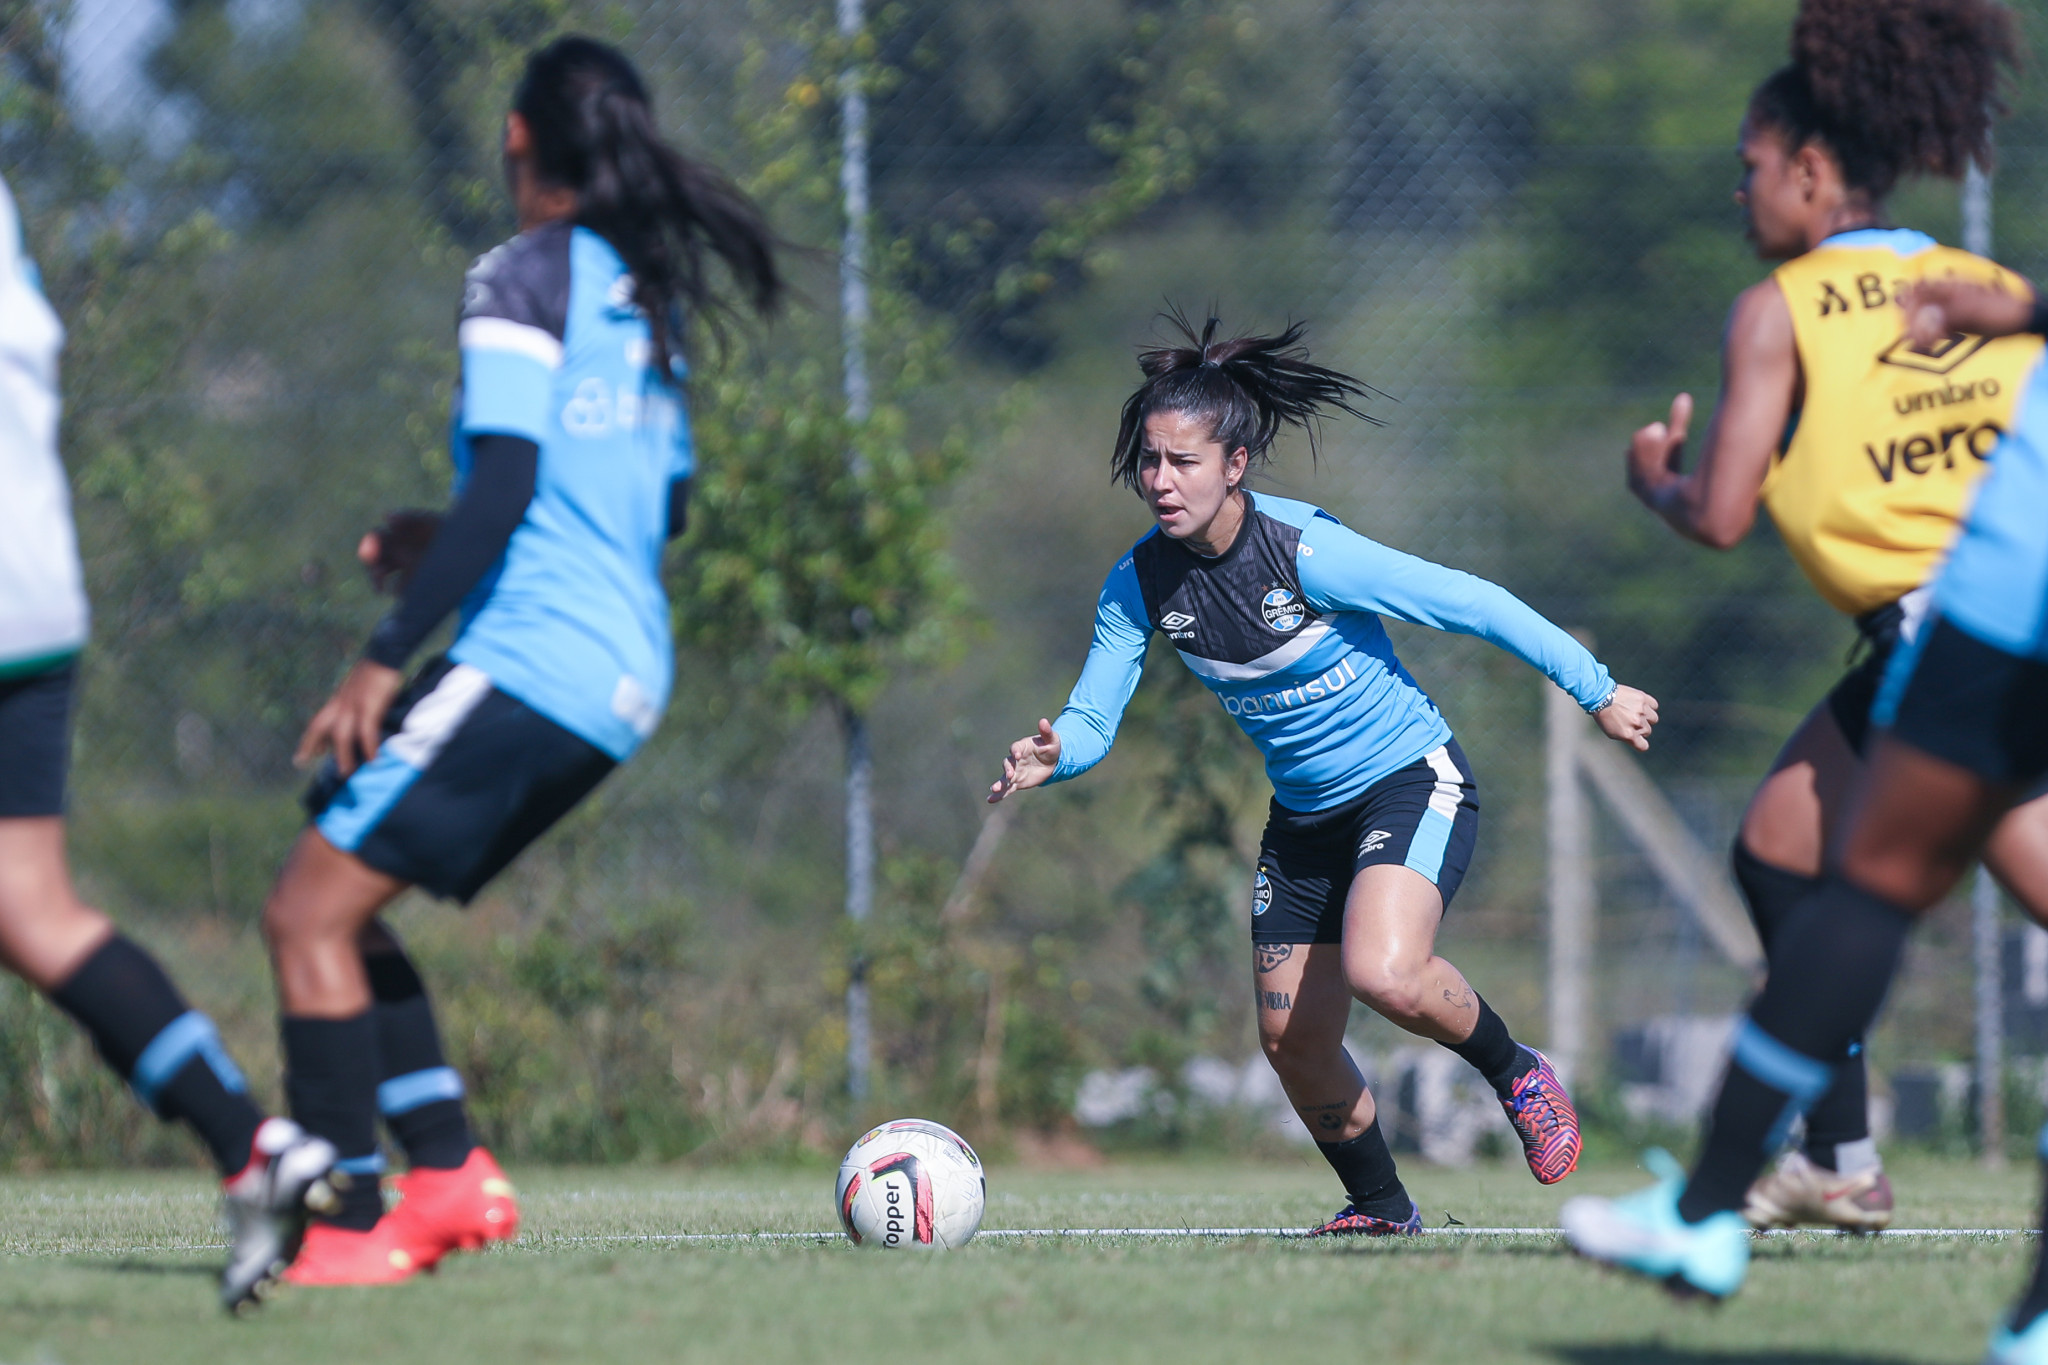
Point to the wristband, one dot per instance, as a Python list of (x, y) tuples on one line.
[(1605, 702)]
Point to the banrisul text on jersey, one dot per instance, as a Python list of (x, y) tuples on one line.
[(1284, 627)]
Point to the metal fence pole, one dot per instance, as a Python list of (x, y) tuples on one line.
[(1570, 883), (853, 310), (1984, 930), (1985, 939)]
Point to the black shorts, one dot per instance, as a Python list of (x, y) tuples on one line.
[(1425, 816), (466, 778), (1976, 706), (1850, 700), (35, 742)]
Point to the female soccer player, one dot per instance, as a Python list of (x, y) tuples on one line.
[(1863, 446), (573, 459), (1963, 720), (168, 1052), (1276, 606)]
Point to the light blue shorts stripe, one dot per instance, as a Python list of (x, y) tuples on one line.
[(373, 1164), (189, 1035), (1426, 849), (403, 1094), (370, 792)]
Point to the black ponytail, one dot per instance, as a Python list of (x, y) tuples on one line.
[(1893, 87), (1243, 389), (594, 133)]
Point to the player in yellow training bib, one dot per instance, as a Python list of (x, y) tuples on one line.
[(1863, 447)]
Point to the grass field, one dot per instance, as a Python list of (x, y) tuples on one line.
[(115, 1268)]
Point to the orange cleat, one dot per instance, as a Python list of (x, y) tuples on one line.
[(335, 1256), (459, 1210)]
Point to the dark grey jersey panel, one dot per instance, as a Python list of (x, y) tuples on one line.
[(524, 280), (1237, 609)]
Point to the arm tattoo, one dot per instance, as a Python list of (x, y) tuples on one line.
[(1461, 999), (1276, 1000)]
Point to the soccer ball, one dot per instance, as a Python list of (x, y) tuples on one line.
[(911, 1183)]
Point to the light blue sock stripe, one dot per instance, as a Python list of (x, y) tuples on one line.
[(1426, 849), (373, 1164), (1781, 1068), (403, 1094), (189, 1035)]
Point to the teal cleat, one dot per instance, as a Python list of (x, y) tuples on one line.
[(2028, 1347), (1643, 1232)]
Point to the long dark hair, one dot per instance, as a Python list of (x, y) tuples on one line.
[(1893, 87), (594, 132), (1244, 389)]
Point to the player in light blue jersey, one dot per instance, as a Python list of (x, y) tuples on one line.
[(1276, 606), (572, 460)]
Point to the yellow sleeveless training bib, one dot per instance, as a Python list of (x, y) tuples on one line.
[(1890, 440)]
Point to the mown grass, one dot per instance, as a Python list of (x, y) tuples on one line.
[(117, 1268)]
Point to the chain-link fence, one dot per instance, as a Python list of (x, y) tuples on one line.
[(1511, 217)]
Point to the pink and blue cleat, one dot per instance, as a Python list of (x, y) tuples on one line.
[(1352, 1223), (1545, 1121)]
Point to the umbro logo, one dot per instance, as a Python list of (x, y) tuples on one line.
[(1375, 841), (1176, 620)]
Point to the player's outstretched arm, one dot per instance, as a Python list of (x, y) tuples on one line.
[(1030, 763), (1629, 716), (1715, 503), (1935, 308)]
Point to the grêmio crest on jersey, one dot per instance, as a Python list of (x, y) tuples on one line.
[(1239, 616)]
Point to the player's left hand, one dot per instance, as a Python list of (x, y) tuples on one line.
[(1655, 451), (1629, 717), (1935, 308), (352, 721), (394, 550)]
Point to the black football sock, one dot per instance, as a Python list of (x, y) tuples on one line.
[(168, 1052), (1838, 1125), (1830, 967), (1494, 1051), (1366, 1167), (2035, 1301), (418, 1093), (1841, 1117), (331, 1079)]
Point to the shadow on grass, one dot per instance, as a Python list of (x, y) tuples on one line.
[(128, 1266), (1650, 1353)]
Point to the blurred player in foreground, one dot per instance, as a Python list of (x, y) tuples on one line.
[(1276, 606), (1963, 735), (572, 458), (169, 1053), (1863, 448)]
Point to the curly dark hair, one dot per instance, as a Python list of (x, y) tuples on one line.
[(1893, 87), (1243, 389)]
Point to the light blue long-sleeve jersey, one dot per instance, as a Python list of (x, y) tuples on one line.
[(1284, 627)]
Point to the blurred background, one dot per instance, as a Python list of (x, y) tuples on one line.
[(1511, 217)]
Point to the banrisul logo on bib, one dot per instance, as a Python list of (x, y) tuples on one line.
[(1262, 893), (1283, 610)]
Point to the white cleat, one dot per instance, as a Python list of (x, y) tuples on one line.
[(1797, 1191), (289, 1176)]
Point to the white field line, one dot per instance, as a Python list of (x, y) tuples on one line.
[(543, 1241)]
